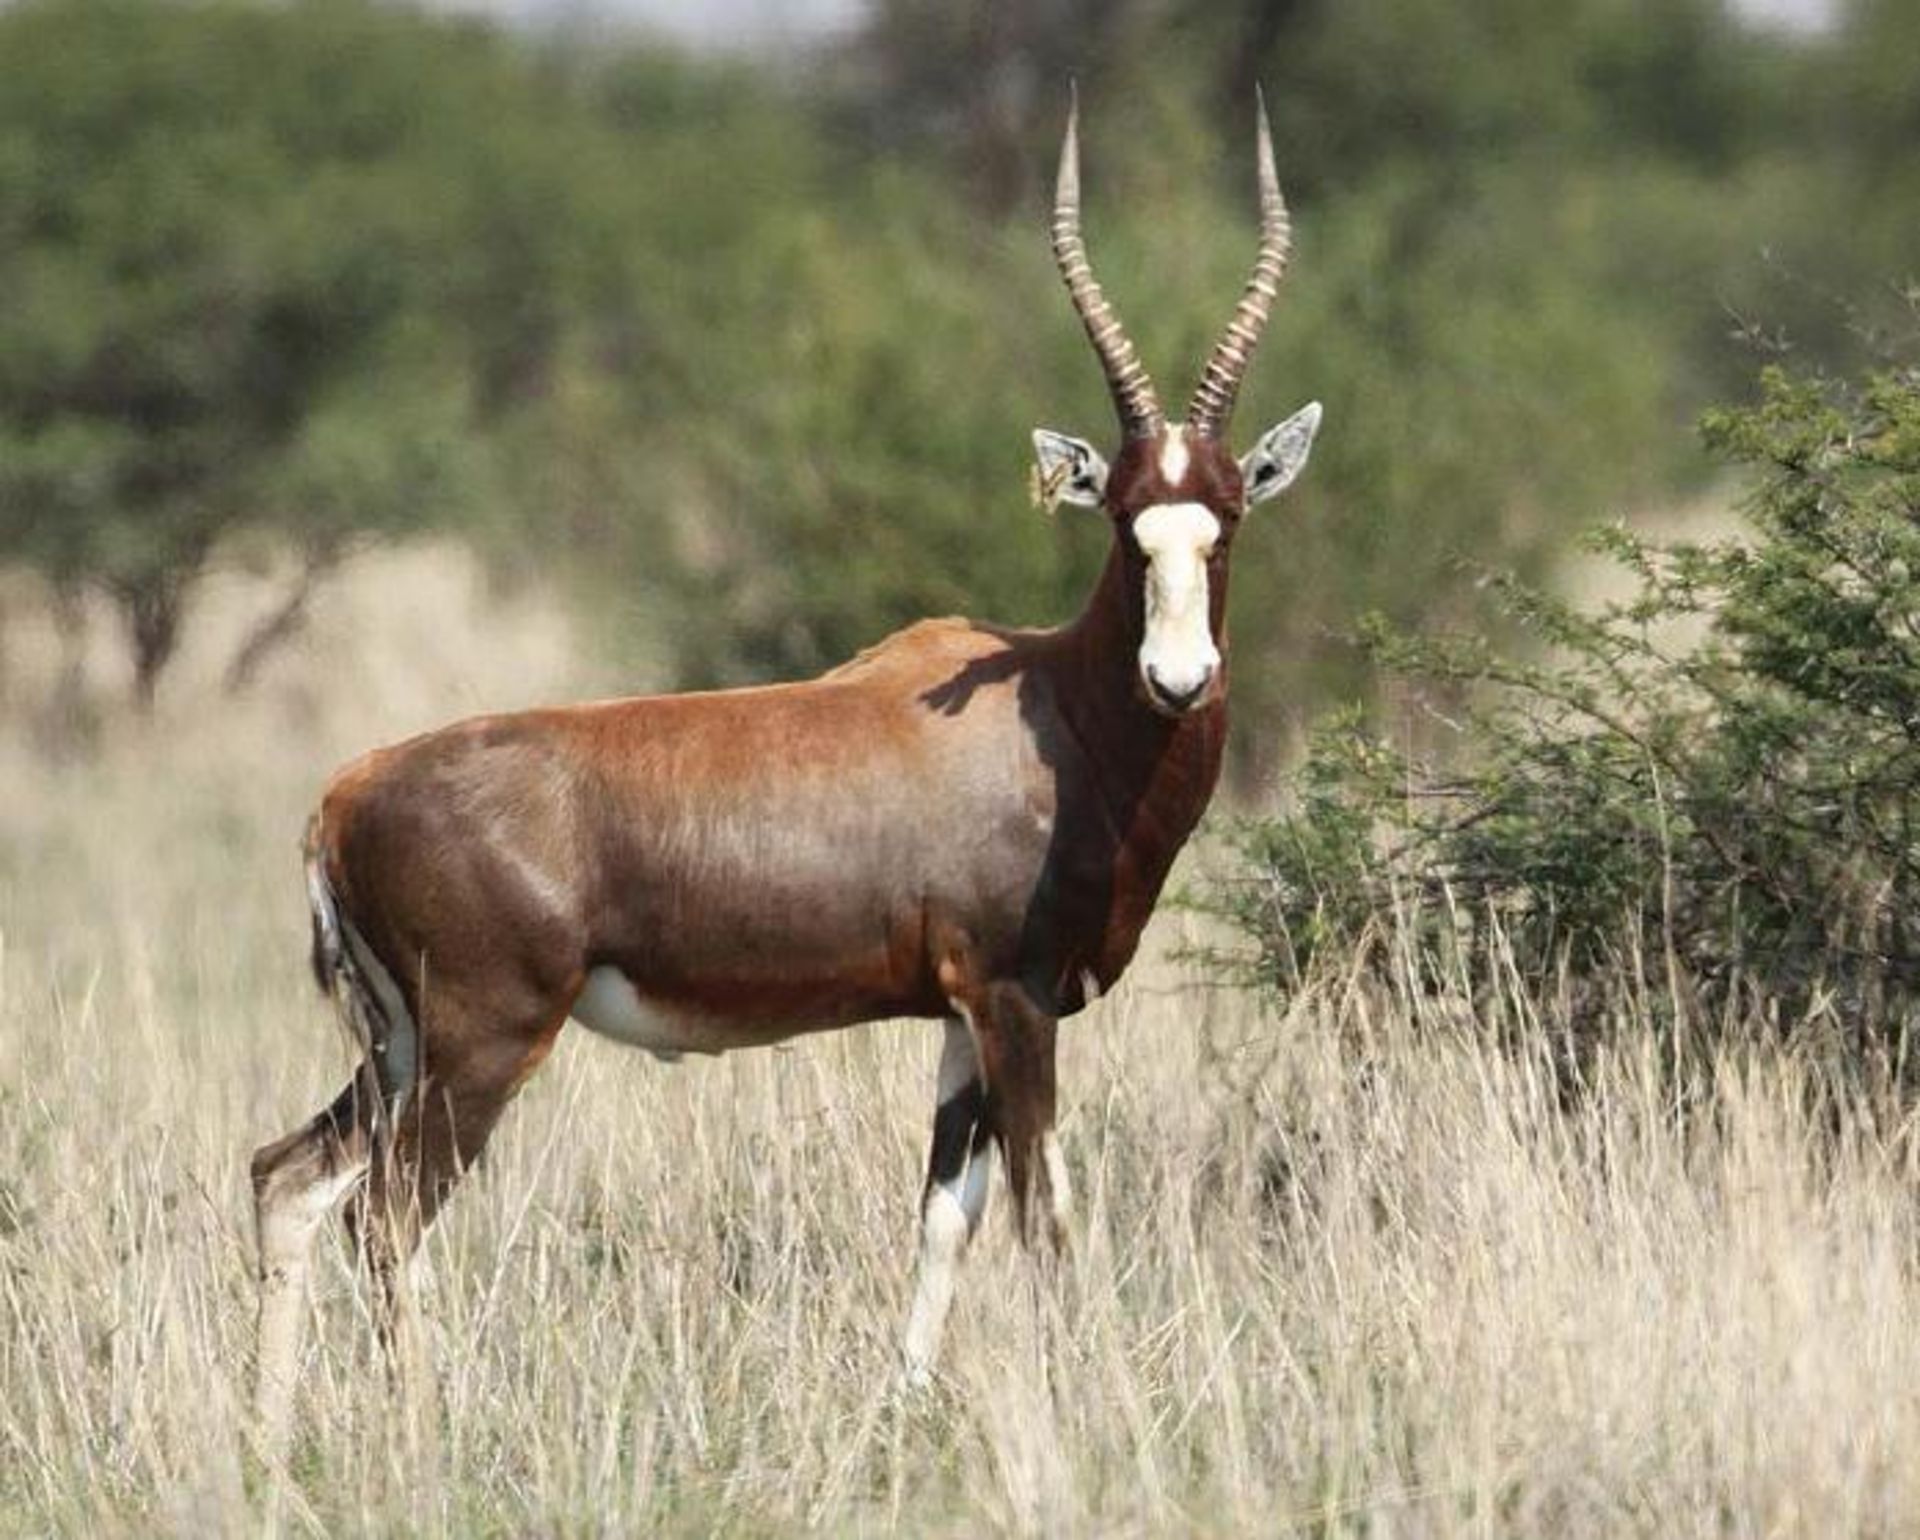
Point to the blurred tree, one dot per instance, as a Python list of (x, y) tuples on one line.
[(1357, 89), (1879, 109), (262, 264), (969, 84), (753, 359), (1865, 116), (1498, 364)]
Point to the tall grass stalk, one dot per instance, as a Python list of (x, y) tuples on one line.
[(1367, 1266)]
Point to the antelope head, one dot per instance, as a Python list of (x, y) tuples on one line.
[(1174, 493)]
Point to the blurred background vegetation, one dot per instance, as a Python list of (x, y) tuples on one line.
[(743, 350)]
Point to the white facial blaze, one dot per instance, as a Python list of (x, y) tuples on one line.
[(1177, 655)]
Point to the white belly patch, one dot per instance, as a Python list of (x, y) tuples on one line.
[(609, 1005)]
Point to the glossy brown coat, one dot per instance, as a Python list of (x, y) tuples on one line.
[(958, 805), (966, 822)]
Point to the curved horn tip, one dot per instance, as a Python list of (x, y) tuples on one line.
[(1213, 399), (1133, 394), (1067, 181), (1263, 141)]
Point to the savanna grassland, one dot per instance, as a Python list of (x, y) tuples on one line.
[(1354, 1268)]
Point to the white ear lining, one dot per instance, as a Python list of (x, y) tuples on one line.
[(1066, 470), (1281, 454)]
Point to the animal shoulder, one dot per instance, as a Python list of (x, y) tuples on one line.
[(928, 646)]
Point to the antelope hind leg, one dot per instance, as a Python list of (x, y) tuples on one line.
[(297, 1181), (438, 1134)]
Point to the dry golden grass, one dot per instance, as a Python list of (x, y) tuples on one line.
[(1353, 1270)]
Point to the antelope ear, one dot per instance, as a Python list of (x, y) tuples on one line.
[(1066, 470), (1281, 454)]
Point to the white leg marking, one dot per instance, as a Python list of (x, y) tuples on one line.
[(1059, 1185), (951, 1214), (973, 1186), (287, 1221), (943, 1236)]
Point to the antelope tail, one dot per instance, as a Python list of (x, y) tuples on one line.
[(371, 1006)]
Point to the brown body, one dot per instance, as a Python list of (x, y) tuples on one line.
[(965, 822), (934, 815)]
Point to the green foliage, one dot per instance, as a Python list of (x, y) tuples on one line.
[(1452, 85), (866, 464), (753, 361), (1472, 406), (1715, 780), (1526, 241), (228, 235)]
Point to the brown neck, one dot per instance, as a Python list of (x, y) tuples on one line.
[(1103, 642), (1145, 762)]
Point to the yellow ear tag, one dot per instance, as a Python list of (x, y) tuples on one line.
[(1045, 487)]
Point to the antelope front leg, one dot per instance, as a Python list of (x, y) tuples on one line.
[(955, 1197), (1016, 1045)]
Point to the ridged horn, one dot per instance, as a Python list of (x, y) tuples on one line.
[(1213, 399), (1133, 396)]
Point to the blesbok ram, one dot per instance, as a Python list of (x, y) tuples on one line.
[(967, 823)]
